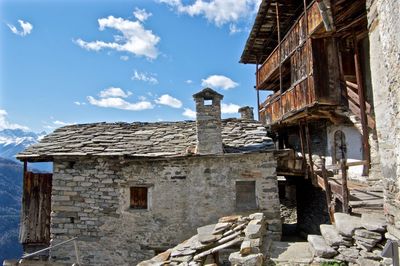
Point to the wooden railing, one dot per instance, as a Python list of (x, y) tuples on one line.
[(354, 103), (278, 105), (294, 39)]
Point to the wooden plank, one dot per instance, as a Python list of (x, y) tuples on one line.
[(36, 208), (345, 191), (308, 141), (328, 192), (364, 121), (354, 97)]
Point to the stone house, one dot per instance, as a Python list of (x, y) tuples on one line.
[(332, 71), (130, 191)]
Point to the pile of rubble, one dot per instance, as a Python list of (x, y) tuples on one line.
[(245, 233), (352, 239)]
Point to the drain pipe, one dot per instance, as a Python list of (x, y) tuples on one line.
[(324, 7)]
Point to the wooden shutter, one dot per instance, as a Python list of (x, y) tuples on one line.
[(246, 195), (139, 197)]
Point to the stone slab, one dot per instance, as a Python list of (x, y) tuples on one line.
[(320, 248), (250, 260), (373, 222), (205, 234), (331, 235), (290, 253), (253, 231), (346, 224)]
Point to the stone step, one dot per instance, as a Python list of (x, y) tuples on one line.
[(373, 221), (346, 224), (290, 253), (332, 236), (320, 248)]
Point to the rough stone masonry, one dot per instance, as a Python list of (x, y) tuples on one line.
[(130, 191), (384, 38)]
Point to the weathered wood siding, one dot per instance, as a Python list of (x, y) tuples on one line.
[(36, 208)]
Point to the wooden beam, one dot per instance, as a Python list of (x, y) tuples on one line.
[(308, 140), (364, 121), (258, 93), (328, 192), (345, 191), (303, 153), (25, 166), (279, 45)]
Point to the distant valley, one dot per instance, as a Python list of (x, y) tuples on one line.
[(13, 141)]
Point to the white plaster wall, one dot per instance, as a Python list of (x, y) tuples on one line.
[(354, 148)]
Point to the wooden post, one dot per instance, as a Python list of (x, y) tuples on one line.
[(25, 166), (279, 44), (308, 140), (303, 153), (328, 192), (305, 17), (345, 191), (258, 105), (258, 92), (364, 123)]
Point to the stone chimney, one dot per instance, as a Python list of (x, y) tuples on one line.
[(246, 112), (208, 121)]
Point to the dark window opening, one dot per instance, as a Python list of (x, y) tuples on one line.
[(246, 195), (139, 198)]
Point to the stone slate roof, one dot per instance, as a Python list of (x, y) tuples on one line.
[(162, 139)]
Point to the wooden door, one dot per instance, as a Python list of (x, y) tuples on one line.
[(36, 208)]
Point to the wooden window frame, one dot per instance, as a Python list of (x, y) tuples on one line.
[(139, 198)]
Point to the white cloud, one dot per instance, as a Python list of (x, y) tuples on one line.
[(189, 113), (189, 81), (146, 77), (229, 108), (135, 38), (124, 57), (218, 11), (61, 123), (114, 92), (233, 29), (219, 81), (26, 28), (79, 103), (169, 101), (119, 103), (4, 124), (141, 14)]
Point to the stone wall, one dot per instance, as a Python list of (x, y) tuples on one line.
[(384, 25), (90, 200)]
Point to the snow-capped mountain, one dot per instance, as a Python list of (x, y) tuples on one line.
[(13, 141)]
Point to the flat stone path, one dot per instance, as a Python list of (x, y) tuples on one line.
[(292, 253)]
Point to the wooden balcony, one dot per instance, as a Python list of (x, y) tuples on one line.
[(279, 106), (290, 44)]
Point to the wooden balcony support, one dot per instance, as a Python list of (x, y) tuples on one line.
[(363, 114)]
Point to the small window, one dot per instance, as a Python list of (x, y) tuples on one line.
[(208, 102), (246, 195), (139, 198)]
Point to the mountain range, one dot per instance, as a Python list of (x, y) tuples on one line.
[(13, 141)]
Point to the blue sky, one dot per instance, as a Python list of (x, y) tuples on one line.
[(89, 61)]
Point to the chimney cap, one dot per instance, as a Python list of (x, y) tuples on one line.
[(208, 93)]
